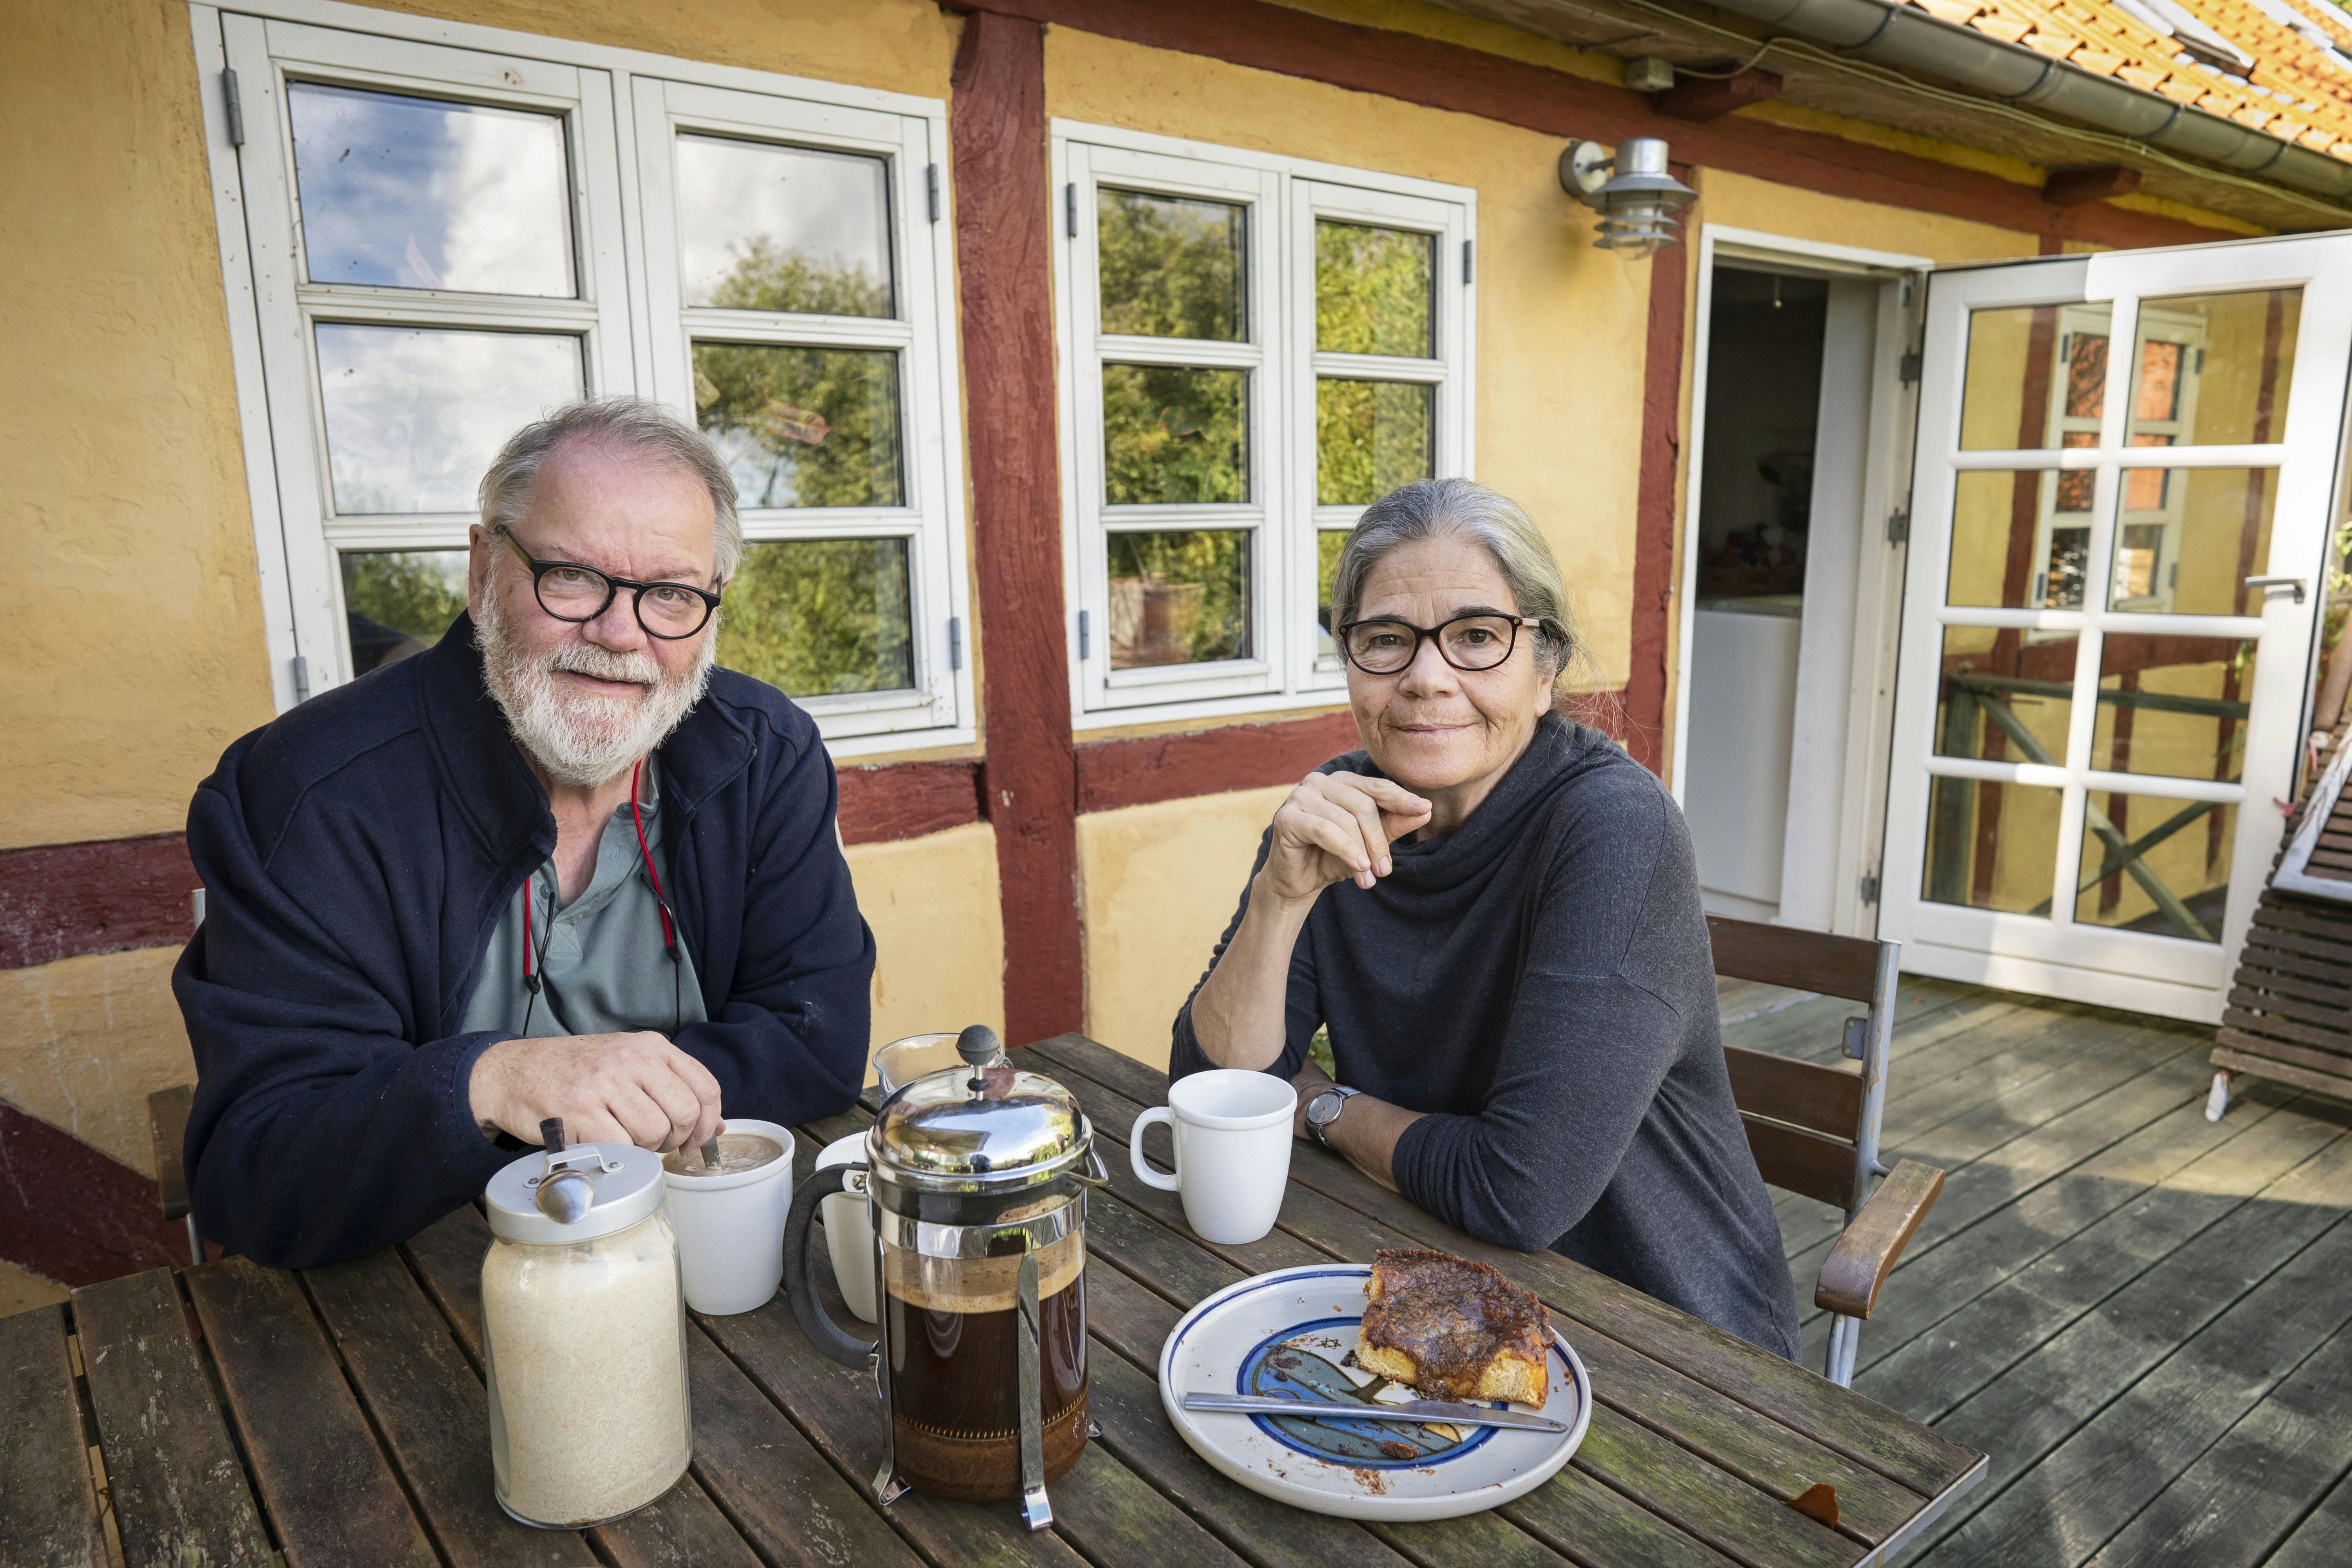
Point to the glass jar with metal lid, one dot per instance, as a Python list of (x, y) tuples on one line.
[(584, 1335), (975, 1179)]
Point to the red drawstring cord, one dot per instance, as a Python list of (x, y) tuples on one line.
[(661, 901)]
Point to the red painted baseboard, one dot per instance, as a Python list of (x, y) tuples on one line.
[(72, 1214)]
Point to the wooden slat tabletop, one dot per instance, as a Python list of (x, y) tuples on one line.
[(228, 1414)]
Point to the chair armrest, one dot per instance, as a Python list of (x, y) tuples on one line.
[(1863, 1257), (167, 1120)]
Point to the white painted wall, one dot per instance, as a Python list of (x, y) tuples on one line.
[(1743, 697)]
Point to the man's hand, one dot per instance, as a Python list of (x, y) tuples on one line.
[(609, 1089)]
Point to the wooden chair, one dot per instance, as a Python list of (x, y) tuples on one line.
[(1814, 1130)]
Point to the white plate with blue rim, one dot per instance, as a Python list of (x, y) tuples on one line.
[(1291, 1335)]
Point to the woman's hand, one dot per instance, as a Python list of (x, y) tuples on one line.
[(1336, 827)]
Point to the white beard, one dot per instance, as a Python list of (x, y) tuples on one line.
[(583, 738)]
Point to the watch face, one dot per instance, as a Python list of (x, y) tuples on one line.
[(1324, 1107)]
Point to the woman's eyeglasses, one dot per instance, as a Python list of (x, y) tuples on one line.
[(570, 592), (1466, 642)]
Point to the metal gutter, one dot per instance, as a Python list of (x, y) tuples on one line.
[(1905, 36)]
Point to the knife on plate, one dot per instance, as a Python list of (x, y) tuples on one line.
[(1418, 1411)]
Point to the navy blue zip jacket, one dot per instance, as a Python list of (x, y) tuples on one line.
[(355, 856)]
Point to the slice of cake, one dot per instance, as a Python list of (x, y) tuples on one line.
[(1453, 1329)]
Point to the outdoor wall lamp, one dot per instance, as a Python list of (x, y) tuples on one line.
[(1631, 190)]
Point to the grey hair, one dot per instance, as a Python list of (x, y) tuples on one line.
[(1430, 509), (637, 424)]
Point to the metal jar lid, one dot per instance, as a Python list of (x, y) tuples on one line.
[(983, 1128), (627, 1182)]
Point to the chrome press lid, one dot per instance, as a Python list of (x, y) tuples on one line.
[(628, 1180), (979, 1129)]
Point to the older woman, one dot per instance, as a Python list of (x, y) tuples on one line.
[(1495, 914)]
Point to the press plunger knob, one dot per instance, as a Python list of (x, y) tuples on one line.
[(978, 1046)]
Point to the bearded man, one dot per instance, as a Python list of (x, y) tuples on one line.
[(556, 866)]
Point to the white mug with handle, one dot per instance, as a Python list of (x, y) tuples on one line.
[(1232, 1151)]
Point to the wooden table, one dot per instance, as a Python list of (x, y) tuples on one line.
[(337, 1414)]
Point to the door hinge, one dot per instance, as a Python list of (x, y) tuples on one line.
[(1907, 370), (1070, 209), (1469, 260), (236, 109), (1086, 650), (1868, 888), (1898, 526), (931, 189), (301, 678), (955, 642)]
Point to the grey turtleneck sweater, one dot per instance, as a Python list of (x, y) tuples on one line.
[(1539, 982)]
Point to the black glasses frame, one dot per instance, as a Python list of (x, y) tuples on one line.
[(612, 586), (1426, 634)]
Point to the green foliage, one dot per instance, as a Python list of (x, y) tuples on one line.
[(1328, 545), (1373, 290), (1179, 599), (418, 591), (819, 618), (1171, 434), (1370, 438), (769, 277), (1171, 267)]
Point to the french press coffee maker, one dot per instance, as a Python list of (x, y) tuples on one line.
[(975, 1180)]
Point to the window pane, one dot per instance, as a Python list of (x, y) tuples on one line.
[(2035, 373), (415, 415), (1174, 435), (1171, 267), (762, 227), (1370, 438), (1990, 846), (2003, 697), (2188, 538), (2173, 706), (399, 601), (2156, 865), (1373, 290), (2215, 369), (1329, 544), (413, 193), (803, 427), (1179, 598), (2020, 540), (822, 617)]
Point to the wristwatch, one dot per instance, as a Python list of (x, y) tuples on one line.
[(1325, 1107)]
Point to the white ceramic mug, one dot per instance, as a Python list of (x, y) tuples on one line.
[(849, 1229), (730, 1228), (1232, 1151)]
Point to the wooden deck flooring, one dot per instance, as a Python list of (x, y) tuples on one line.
[(2143, 1316)]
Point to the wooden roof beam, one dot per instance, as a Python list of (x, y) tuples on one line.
[(1701, 99), (2096, 183)]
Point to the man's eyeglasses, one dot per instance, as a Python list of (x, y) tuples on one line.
[(1466, 642), (570, 592)]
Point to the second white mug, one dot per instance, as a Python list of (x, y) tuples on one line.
[(1232, 1151)]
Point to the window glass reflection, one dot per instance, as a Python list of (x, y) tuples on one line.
[(765, 227), (1179, 598), (803, 427), (1990, 846), (1370, 438), (2154, 865), (1171, 267), (416, 193), (399, 601), (2214, 369), (2005, 696), (2034, 375), (1329, 544), (2173, 706), (2187, 539), (821, 618), (1173, 434), (1373, 291), (415, 415), (2019, 540)]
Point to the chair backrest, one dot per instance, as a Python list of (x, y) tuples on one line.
[(1813, 1129)]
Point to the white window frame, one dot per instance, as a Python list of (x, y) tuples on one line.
[(1285, 197), (618, 105)]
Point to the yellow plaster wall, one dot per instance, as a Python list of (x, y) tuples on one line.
[(938, 928), (1156, 885), (84, 1041), (1561, 326), (133, 641)]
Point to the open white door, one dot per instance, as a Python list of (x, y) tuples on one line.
[(2123, 479)]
